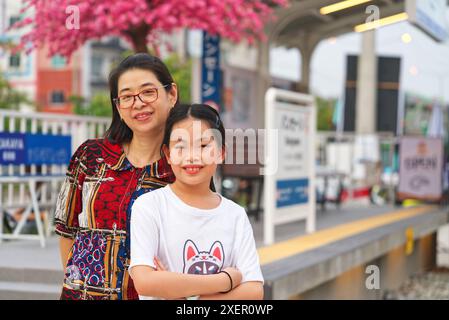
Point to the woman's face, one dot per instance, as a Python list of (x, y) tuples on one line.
[(145, 118)]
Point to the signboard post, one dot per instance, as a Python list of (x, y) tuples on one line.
[(421, 168), (289, 192)]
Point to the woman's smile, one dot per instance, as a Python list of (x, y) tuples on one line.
[(143, 116)]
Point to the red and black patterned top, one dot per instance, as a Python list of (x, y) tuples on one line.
[(93, 208)]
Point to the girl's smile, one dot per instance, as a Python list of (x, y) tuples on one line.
[(192, 169)]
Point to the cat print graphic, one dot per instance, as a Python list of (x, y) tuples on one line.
[(203, 262)]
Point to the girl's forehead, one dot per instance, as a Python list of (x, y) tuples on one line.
[(191, 124), (191, 129)]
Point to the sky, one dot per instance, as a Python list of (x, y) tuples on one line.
[(424, 65)]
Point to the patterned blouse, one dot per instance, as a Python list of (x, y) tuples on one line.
[(93, 208)]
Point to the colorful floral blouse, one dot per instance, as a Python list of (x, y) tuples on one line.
[(93, 208)]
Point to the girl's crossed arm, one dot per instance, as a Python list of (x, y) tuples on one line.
[(172, 285), (251, 290), (165, 284), (247, 261)]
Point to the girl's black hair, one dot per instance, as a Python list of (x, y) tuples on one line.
[(118, 131), (197, 111)]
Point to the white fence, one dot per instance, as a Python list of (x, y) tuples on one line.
[(80, 128)]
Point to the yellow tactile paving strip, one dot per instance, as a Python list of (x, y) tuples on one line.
[(320, 238)]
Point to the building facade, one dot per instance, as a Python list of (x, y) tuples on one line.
[(51, 82)]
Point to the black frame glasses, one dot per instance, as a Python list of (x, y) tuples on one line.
[(141, 98)]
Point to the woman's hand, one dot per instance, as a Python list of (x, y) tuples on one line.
[(236, 276)]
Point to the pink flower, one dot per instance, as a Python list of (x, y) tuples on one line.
[(65, 25)]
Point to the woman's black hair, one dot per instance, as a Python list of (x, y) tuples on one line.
[(118, 131), (197, 111)]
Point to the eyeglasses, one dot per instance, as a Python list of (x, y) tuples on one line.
[(148, 95)]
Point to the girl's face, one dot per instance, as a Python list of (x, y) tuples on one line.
[(194, 151), (142, 117)]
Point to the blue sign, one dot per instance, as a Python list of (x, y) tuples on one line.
[(292, 192), (12, 148), (38, 149), (48, 149), (210, 66)]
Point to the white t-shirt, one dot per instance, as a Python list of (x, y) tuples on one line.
[(192, 240)]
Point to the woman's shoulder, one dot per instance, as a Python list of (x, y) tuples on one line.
[(95, 151), (102, 144)]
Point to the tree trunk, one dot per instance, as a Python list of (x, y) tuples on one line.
[(138, 37)]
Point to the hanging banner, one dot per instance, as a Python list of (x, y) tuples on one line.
[(421, 168), (210, 66)]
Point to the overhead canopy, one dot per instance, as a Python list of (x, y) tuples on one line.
[(302, 19), (301, 25)]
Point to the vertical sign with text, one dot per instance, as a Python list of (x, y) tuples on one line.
[(289, 182), (210, 66), (292, 179)]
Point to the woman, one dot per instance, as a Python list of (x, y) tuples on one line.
[(105, 176)]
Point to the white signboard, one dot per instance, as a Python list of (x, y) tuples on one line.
[(289, 181), (421, 168), (429, 16)]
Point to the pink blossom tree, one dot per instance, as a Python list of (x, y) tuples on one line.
[(64, 25)]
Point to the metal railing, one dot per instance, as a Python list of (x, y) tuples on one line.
[(79, 128)]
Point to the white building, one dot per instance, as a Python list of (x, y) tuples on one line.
[(19, 69)]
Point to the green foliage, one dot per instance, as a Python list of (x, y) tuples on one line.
[(10, 98), (325, 108), (181, 72), (99, 106)]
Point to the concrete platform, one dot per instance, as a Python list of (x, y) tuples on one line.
[(332, 263), (28, 271)]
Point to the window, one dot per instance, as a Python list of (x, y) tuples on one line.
[(57, 97), (13, 20), (14, 60), (58, 61), (97, 66)]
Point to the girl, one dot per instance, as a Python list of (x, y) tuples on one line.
[(205, 240)]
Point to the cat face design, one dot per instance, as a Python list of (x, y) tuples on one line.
[(203, 262)]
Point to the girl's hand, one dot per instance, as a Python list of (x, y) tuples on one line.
[(159, 265), (236, 276)]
